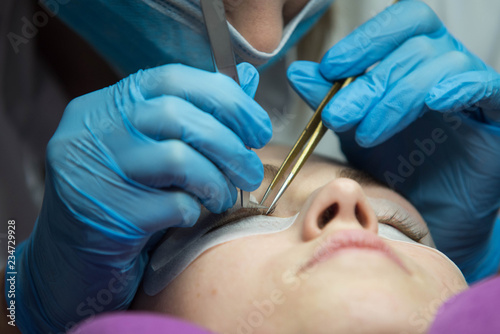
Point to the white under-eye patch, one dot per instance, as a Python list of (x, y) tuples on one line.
[(181, 246), (392, 233)]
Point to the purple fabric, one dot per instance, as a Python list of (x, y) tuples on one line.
[(473, 311), (135, 322)]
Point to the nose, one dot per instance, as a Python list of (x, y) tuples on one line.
[(339, 205)]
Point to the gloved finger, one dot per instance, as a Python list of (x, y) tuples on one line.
[(404, 102), (479, 89), (213, 93), (379, 37), (249, 78), (140, 210), (355, 101), (170, 117), (171, 208), (305, 79), (172, 163)]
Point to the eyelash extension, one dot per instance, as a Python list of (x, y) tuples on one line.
[(229, 218), (404, 225)]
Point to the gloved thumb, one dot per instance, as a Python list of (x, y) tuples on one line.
[(307, 81), (469, 90), (249, 78)]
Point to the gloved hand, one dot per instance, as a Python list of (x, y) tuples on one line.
[(439, 104), (125, 162)]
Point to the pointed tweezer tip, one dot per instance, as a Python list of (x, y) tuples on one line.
[(271, 207)]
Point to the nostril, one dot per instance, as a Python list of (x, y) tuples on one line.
[(328, 215), (360, 216)]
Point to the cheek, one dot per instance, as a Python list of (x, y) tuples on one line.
[(222, 266), (226, 278), (210, 289), (433, 270)]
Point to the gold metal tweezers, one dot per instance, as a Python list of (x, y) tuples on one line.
[(304, 146), (309, 138)]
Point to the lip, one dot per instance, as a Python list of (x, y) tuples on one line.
[(351, 239)]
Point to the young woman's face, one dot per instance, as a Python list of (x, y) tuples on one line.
[(261, 22), (328, 273)]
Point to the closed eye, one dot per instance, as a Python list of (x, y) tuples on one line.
[(228, 218), (396, 220), (404, 225)]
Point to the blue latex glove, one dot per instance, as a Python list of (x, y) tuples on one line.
[(126, 162), (439, 104)]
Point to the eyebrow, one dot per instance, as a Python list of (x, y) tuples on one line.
[(362, 177), (270, 172)]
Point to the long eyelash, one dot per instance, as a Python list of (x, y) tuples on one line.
[(404, 225), (229, 218)]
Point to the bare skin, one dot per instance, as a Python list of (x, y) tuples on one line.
[(261, 22)]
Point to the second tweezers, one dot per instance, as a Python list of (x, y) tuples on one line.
[(305, 145)]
